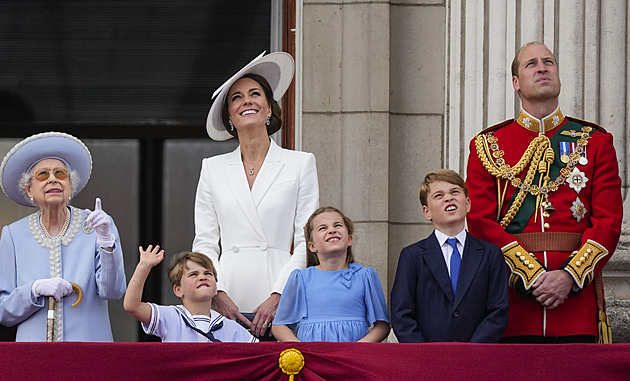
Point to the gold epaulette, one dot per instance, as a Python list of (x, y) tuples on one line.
[(582, 262), (523, 264)]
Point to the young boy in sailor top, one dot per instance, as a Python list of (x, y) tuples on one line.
[(193, 277)]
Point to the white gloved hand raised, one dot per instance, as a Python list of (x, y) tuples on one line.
[(100, 222), (55, 287)]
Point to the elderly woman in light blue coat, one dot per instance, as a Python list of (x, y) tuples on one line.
[(42, 253)]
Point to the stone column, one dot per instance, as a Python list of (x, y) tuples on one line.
[(416, 123), (345, 117)]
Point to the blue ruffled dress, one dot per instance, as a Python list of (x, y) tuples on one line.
[(334, 306)]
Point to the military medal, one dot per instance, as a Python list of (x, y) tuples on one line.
[(576, 148), (583, 160), (578, 209), (564, 152), (577, 180)]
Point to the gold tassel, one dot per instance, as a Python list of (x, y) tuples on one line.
[(603, 328)]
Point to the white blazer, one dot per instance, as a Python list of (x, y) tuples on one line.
[(248, 234)]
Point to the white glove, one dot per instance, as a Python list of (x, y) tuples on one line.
[(56, 287), (100, 221)]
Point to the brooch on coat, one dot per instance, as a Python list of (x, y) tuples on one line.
[(87, 229), (578, 209)]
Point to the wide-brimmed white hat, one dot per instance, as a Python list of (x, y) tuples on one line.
[(277, 68), (47, 145)]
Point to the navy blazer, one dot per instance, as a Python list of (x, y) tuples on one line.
[(424, 308)]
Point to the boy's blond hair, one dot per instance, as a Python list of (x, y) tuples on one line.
[(178, 264), (447, 175)]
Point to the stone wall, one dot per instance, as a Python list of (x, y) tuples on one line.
[(617, 284)]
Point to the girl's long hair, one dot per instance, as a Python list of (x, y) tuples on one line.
[(311, 257)]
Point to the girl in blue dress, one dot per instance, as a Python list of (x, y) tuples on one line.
[(333, 298)]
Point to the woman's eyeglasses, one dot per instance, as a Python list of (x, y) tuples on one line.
[(44, 174)]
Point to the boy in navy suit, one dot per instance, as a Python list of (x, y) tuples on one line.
[(450, 286)]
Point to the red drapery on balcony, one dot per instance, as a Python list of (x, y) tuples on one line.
[(323, 361)]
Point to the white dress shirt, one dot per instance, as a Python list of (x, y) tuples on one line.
[(447, 250)]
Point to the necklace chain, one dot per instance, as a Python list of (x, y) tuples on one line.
[(251, 168), (66, 223)]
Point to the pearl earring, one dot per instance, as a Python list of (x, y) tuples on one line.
[(268, 119)]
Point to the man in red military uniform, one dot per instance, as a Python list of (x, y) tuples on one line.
[(546, 189)]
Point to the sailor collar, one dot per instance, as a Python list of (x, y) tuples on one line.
[(549, 122)]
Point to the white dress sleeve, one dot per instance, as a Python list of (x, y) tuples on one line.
[(207, 232)]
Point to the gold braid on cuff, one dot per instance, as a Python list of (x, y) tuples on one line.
[(523, 265), (582, 262)]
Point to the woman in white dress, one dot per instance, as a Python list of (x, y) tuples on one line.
[(252, 204)]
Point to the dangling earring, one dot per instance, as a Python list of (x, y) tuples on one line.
[(32, 201), (268, 119), (231, 126)]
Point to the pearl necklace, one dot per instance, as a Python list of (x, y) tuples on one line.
[(66, 223)]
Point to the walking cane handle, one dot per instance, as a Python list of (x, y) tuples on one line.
[(50, 322), (79, 292)]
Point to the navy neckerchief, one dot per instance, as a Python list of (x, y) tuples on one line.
[(208, 334), (213, 327)]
